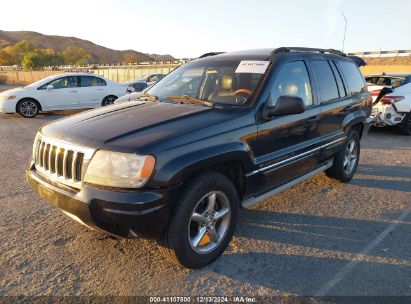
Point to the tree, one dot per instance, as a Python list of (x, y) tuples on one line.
[(5, 58), (21, 49), (31, 61), (75, 55)]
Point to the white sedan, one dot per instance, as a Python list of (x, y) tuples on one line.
[(394, 109), (61, 92)]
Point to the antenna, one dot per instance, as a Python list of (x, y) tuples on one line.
[(345, 31)]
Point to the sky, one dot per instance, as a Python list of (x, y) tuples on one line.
[(189, 28)]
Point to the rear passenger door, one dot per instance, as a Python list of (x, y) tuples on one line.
[(335, 104), (92, 91), (337, 99)]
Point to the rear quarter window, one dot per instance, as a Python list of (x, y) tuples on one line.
[(353, 77)]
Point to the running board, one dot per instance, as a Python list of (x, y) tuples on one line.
[(254, 200)]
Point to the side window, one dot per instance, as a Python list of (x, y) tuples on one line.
[(62, 83), (91, 81), (292, 80), (325, 81), (154, 78), (353, 77), (138, 87), (337, 75)]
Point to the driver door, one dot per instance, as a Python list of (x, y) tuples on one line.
[(63, 95), (284, 141)]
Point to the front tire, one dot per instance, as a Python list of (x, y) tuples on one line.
[(346, 161), (28, 108), (203, 222), (108, 100)]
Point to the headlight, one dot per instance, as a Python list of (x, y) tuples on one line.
[(121, 170)]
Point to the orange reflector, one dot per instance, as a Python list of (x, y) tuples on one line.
[(205, 240), (148, 166)]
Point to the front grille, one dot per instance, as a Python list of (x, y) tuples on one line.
[(61, 161)]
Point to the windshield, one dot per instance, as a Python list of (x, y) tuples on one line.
[(214, 81), (41, 82)]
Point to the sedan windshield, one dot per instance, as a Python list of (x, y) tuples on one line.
[(213, 81)]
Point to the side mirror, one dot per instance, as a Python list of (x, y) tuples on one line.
[(50, 87), (286, 105)]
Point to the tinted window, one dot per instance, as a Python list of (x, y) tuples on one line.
[(337, 75), (154, 78), (353, 77), (62, 83), (138, 87), (371, 80), (325, 81), (293, 80), (91, 81)]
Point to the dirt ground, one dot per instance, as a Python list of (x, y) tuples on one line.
[(318, 238)]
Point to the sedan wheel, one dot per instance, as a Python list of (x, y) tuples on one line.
[(28, 108)]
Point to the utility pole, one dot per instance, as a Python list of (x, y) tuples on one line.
[(345, 31)]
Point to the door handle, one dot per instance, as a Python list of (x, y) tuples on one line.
[(312, 119), (348, 108), (72, 91)]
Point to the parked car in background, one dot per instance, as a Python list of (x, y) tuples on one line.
[(143, 82), (133, 96), (135, 86), (61, 92), (393, 108), (217, 134), (151, 78), (378, 81)]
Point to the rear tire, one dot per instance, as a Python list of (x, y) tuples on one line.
[(108, 100), (203, 221), (28, 108), (346, 161), (405, 127)]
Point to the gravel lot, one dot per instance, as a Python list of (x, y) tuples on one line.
[(318, 238)]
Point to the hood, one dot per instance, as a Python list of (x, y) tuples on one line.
[(132, 125), (13, 91)]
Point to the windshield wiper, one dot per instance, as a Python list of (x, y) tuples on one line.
[(188, 99), (150, 97)]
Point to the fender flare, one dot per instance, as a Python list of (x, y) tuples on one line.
[(353, 119), (180, 168)]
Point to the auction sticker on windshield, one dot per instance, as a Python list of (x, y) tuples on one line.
[(252, 66)]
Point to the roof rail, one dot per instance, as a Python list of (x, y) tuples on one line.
[(304, 49), (211, 54)]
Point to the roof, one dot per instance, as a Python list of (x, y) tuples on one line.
[(270, 53)]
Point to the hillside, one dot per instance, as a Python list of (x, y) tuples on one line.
[(100, 53)]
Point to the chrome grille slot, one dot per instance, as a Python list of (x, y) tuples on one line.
[(61, 161)]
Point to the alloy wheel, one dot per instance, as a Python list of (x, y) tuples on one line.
[(28, 108), (209, 222), (350, 157)]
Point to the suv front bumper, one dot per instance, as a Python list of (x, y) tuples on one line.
[(140, 213)]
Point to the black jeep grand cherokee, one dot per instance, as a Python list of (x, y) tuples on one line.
[(222, 132)]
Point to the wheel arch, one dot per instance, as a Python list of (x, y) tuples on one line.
[(233, 164), (355, 120), (30, 98)]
